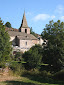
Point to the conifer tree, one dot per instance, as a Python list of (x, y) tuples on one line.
[(5, 46)]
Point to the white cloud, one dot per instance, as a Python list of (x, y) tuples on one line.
[(59, 9), (43, 17), (62, 17)]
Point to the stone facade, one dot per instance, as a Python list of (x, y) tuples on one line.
[(25, 30), (24, 27)]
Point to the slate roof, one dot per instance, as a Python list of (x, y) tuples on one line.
[(22, 36), (24, 21)]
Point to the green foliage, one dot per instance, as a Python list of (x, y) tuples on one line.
[(2, 65), (33, 33), (18, 56), (8, 24), (53, 53), (33, 56), (5, 45), (45, 74), (16, 67)]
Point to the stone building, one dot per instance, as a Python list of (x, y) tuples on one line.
[(23, 40)]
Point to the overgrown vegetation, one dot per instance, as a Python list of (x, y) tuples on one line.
[(40, 65)]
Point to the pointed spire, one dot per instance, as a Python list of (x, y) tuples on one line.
[(24, 21)]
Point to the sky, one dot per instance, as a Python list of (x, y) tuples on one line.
[(38, 12)]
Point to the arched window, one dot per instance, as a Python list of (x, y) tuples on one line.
[(25, 30)]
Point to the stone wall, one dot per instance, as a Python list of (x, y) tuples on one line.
[(23, 30), (35, 41), (12, 38), (26, 43)]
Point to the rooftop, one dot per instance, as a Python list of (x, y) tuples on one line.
[(22, 36)]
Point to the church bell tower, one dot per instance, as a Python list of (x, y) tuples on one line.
[(24, 27)]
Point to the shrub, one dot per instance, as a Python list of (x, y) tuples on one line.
[(33, 57), (45, 74), (59, 75), (18, 56), (16, 67), (2, 65)]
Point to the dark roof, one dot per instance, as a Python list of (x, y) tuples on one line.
[(22, 36), (24, 21)]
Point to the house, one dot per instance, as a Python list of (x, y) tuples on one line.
[(23, 40)]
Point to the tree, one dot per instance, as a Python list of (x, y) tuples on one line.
[(33, 57), (53, 53), (33, 33), (8, 24), (5, 45)]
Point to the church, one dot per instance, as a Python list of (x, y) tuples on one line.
[(23, 40)]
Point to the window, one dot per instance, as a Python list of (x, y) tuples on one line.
[(26, 43), (25, 30), (26, 36)]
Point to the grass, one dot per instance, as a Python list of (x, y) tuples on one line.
[(15, 61), (31, 80)]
